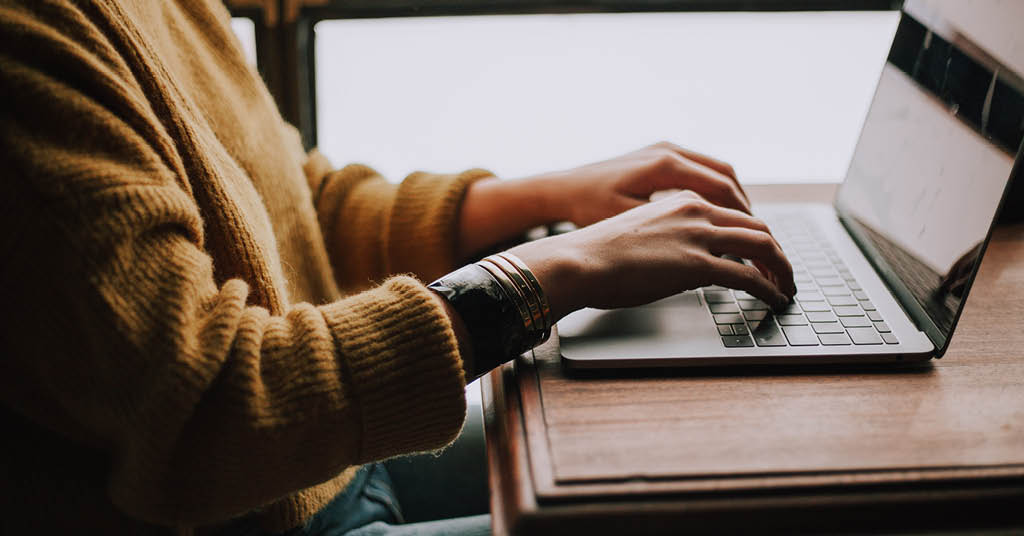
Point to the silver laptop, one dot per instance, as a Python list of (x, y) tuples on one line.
[(882, 273)]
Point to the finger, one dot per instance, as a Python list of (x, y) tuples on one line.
[(758, 246), (724, 217), (713, 163), (678, 172), (662, 194), (743, 277), (721, 189), (727, 217)]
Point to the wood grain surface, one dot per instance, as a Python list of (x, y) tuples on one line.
[(651, 448)]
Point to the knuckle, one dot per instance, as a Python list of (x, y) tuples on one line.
[(764, 241), (705, 233), (665, 162), (702, 266), (694, 207)]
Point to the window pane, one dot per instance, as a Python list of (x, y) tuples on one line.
[(780, 95), (245, 29)]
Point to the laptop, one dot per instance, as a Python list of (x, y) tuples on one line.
[(883, 273)]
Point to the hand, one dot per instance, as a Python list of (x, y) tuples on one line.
[(656, 250), (495, 210), (597, 191)]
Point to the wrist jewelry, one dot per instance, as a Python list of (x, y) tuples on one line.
[(502, 305)]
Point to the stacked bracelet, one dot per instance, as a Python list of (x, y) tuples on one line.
[(529, 290), (502, 305)]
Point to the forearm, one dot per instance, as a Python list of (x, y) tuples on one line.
[(495, 211)]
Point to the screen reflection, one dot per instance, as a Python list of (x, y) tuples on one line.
[(926, 178)]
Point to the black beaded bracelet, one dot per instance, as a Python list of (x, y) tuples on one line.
[(491, 316)]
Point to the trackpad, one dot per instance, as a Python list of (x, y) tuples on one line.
[(666, 327)]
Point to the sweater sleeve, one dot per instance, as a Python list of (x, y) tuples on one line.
[(414, 223), (117, 335)]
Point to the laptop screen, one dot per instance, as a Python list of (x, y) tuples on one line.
[(930, 169)]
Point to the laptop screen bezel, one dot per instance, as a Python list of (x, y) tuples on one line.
[(910, 304)]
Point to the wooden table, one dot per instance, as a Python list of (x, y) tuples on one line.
[(939, 446)]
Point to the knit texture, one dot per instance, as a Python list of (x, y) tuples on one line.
[(176, 345)]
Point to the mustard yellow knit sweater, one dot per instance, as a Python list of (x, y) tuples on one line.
[(175, 347)]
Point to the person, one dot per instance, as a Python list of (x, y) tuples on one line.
[(208, 329)]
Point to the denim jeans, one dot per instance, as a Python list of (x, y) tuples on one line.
[(429, 495)]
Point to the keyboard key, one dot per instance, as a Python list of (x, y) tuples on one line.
[(791, 309), (742, 295), (867, 305), (831, 282), (754, 316), (836, 291), (791, 320), (842, 300), (728, 319), (821, 316), (812, 306), (828, 327), (875, 316), (803, 279), (882, 327), (822, 272), (717, 296), (855, 322), (740, 329), (737, 341), (809, 296), (804, 285), (724, 307), (860, 294), (753, 305), (889, 338), (767, 334), (848, 310), (853, 285), (800, 336), (724, 329), (834, 339), (864, 336)]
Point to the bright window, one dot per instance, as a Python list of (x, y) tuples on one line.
[(780, 95)]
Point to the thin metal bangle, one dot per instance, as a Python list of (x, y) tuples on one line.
[(510, 288), (538, 290), (532, 300)]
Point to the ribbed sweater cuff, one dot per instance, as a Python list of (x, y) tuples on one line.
[(422, 236), (402, 356)]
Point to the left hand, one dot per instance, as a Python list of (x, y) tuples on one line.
[(598, 191)]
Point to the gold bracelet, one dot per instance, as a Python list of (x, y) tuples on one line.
[(524, 288), (513, 293), (537, 289)]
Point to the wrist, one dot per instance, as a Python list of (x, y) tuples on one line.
[(557, 266), (549, 194)]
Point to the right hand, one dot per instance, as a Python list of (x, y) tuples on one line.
[(656, 250)]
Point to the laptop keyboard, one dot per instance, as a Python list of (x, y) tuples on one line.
[(830, 307)]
